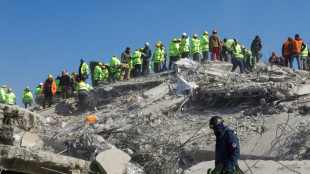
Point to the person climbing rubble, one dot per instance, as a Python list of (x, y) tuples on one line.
[(2, 94), (237, 58), (227, 49), (273, 59), (27, 97), (227, 148), (184, 46), (10, 98), (195, 48), (215, 45), (115, 67), (204, 42), (256, 48), (97, 74), (83, 90), (244, 52), (64, 84), (83, 70), (48, 91), (146, 59), (249, 62), (125, 58), (286, 52)]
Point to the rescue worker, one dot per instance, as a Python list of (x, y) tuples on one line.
[(10, 98), (115, 66), (83, 93), (74, 79), (164, 58), (38, 93), (273, 59), (57, 81), (48, 91), (173, 52), (83, 70), (286, 52), (27, 97), (244, 53), (215, 45), (204, 42), (297, 46), (137, 62), (256, 48), (64, 84), (157, 58), (105, 76), (249, 61), (304, 58), (227, 148), (195, 48), (125, 58), (97, 74), (146, 56), (184, 47), (2, 94), (227, 48), (238, 58)]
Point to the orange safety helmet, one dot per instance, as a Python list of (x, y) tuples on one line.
[(90, 119)]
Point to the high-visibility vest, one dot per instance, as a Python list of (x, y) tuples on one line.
[(137, 58), (157, 56), (83, 86), (173, 49), (286, 48), (229, 43), (195, 46), (97, 73), (27, 97), (296, 46), (84, 68), (184, 47), (10, 98), (2, 94), (204, 41), (238, 53), (38, 91), (304, 53)]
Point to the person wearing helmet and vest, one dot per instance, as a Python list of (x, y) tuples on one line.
[(256, 48), (157, 58), (27, 97), (227, 148), (204, 42), (297, 46), (195, 48), (48, 90), (10, 98), (244, 53), (215, 45), (146, 57), (125, 58), (173, 52), (38, 93), (105, 76), (83, 93), (286, 52), (64, 84), (304, 57), (58, 88), (238, 57), (2, 94), (97, 74), (115, 67), (227, 47), (83, 70), (164, 58), (184, 47), (249, 61), (137, 62)]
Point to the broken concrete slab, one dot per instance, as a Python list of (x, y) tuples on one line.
[(113, 161), (29, 140), (263, 78), (158, 92)]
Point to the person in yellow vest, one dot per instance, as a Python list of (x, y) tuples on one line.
[(27, 98), (105, 76), (137, 62), (10, 98), (304, 57), (98, 73), (83, 90), (164, 58), (83, 70), (38, 93), (195, 48), (238, 57), (2, 94), (204, 42), (157, 58)]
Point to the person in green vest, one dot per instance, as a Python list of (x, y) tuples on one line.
[(10, 98), (38, 93), (173, 52), (195, 48), (83, 70), (83, 93), (249, 61), (204, 42), (164, 58), (137, 62), (98, 73), (115, 67), (304, 57), (58, 88), (105, 72), (2, 94), (238, 57), (184, 47), (227, 48), (244, 53), (27, 97), (157, 58)]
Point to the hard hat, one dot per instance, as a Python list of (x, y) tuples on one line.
[(10, 90), (41, 84), (99, 63), (274, 53), (236, 40), (249, 52), (147, 44), (159, 42), (183, 34), (174, 40), (50, 76), (74, 73), (179, 40), (214, 32), (242, 47), (215, 121), (27, 87), (141, 49), (205, 33), (90, 119), (158, 45), (195, 35), (163, 47), (102, 66), (83, 60), (3, 86)]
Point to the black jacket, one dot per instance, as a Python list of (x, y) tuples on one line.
[(148, 53), (64, 81), (256, 45)]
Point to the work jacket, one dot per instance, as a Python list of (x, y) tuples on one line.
[(237, 52), (305, 51), (214, 41), (2, 94), (105, 76), (51, 85), (83, 86), (184, 47), (147, 54), (125, 57), (64, 80), (195, 46), (229, 43), (57, 81), (137, 58), (27, 97), (286, 51), (38, 90), (10, 98), (157, 56), (84, 69), (115, 65), (204, 42), (97, 73), (296, 45), (173, 49)]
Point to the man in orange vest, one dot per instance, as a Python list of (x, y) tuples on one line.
[(48, 90), (286, 52), (296, 46)]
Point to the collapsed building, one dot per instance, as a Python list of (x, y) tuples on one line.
[(158, 124)]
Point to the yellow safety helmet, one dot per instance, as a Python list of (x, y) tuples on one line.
[(249, 52), (27, 87), (195, 35), (3, 86), (10, 90), (158, 45), (242, 47), (163, 47), (74, 73), (159, 42), (100, 64), (141, 49), (50, 76), (179, 40), (174, 40), (205, 33), (236, 40)]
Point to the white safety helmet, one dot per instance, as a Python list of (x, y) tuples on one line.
[(147, 44), (41, 84), (184, 34)]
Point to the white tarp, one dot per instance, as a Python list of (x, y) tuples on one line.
[(185, 62), (184, 85)]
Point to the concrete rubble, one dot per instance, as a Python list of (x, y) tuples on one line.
[(158, 124)]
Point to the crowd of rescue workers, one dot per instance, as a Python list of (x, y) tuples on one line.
[(140, 64)]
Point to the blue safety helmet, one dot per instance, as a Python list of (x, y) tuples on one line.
[(83, 60)]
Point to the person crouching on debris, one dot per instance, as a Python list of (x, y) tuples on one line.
[(83, 92), (227, 149), (273, 59), (48, 90)]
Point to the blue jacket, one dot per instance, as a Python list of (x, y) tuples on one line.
[(227, 149)]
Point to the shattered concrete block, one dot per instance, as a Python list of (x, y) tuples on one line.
[(158, 92), (29, 140), (302, 89), (277, 78), (112, 161), (263, 78)]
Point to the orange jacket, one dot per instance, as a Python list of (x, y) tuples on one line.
[(53, 87), (296, 46), (286, 49)]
